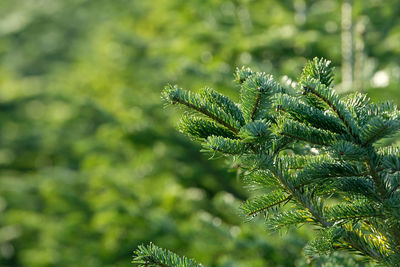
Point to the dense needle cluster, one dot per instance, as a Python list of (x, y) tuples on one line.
[(304, 147)]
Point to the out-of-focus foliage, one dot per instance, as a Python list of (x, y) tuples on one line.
[(89, 166)]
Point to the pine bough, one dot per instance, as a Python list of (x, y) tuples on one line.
[(307, 149)]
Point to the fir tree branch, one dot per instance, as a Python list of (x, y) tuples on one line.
[(302, 198), (318, 69), (242, 74), (209, 114), (364, 243), (288, 218), (152, 255), (256, 105), (378, 128), (255, 96), (306, 114), (264, 203), (301, 132), (226, 104), (320, 172), (200, 128), (332, 100), (356, 211), (347, 167), (374, 174), (383, 192), (225, 145), (177, 95)]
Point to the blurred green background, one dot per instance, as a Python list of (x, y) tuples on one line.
[(91, 164)]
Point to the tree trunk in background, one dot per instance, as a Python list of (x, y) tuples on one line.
[(347, 45), (359, 54)]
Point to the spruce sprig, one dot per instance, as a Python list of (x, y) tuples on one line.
[(151, 255), (272, 132)]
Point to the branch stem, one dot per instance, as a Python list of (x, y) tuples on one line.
[(209, 114)]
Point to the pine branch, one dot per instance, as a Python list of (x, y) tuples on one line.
[(307, 114), (390, 158), (313, 205), (271, 134), (241, 75), (383, 192), (357, 211), (319, 173), (357, 101), (256, 96), (356, 186), (256, 132), (200, 128), (225, 145), (378, 128), (323, 244), (375, 248), (309, 134), (152, 255), (333, 101), (211, 96), (263, 203), (261, 179), (288, 218), (193, 101), (318, 69), (298, 162), (345, 150), (394, 182)]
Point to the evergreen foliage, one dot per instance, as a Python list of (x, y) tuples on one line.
[(152, 255), (91, 166), (313, 153)]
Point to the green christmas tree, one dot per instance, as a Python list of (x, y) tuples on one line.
[(313, 156)]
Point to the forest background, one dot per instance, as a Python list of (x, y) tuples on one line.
[(91, 164)]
